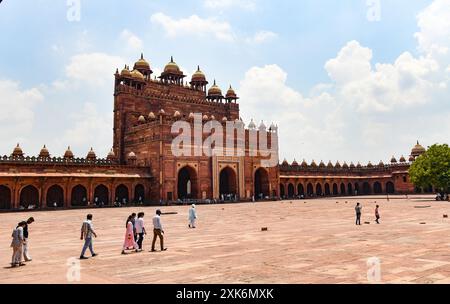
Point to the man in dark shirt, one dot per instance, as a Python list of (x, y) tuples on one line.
[(358, 213), (26, 255)]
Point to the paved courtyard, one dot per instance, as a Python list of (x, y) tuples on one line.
[(312, 242)]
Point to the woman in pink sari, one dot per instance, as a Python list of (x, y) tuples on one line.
[(130, 242)]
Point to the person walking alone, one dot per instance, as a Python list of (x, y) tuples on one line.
[(358, 213), (192, 216), (158, 231), (87, 232), (377, 214)]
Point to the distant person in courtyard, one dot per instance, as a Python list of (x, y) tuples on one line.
[(358, 213), (129, 242), (87, 232), (140, 229), (26, 233), (158, 231), (192, 216), (377, 214), (17, 245)]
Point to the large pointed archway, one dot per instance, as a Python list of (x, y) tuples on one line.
[(122, 194), (55, 196), (101, 195), (5, 198), (79, 196), (29, 196), (261, 183), (227, 182), (187, 183)]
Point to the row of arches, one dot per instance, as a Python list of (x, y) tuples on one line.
[(29, 195), (335, 189), (187, 183)]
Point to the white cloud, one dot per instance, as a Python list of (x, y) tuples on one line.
[(17, 113), (93, 68), (367, 108), (194, 25), (434, 24), (87, 127), (132, 42), (227, 4), (262, 37)]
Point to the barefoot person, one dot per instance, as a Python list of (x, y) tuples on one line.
[(192, 216), (377, 214), (358, 213), (26, 254), (129, 242), (158, 231), (140, 229), (87, 232), (17, 245)]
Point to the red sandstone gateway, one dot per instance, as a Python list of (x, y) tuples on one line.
[(142, 169)]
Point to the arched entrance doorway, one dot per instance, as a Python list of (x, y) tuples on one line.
[(310, 189), (335, 189), (101, 195), (282, 193), (349, 189), (139, 193), (377, 188), (342, 189), (318, 189), (122, 195), (5, 198), (327, 189), (79, 196), (55, 196), (29, 196), (390, 188), (357, 192), (261, 183), (227, 183), (291, 191), (300, 189), (187, 183), (366, 188)]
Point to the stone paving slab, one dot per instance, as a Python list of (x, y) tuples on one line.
[(316, 242)]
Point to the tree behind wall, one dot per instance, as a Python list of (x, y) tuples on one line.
[(432, 168)]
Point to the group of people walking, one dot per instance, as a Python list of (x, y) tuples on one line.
[(20, 243), (358, 210), (135, 232)]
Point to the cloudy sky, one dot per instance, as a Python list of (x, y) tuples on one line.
[(350, 80)]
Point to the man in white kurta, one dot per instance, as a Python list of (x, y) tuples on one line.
[(192, 216)]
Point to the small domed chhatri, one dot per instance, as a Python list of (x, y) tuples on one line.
[(402, 159), (141, 119), (295, 163), (417, 150), (151, 116), (68, 154), (322, 164), (304, 163), (44, 152), (17, 152), (91, 155), (177, 114), (142, 64), (125, 72), (215, 91), (337, 165), (136, 75), (111, 155), (393, 160), (198, 76), (285, 162), (172, 67)]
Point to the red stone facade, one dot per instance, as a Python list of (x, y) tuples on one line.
[(142, 168)]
